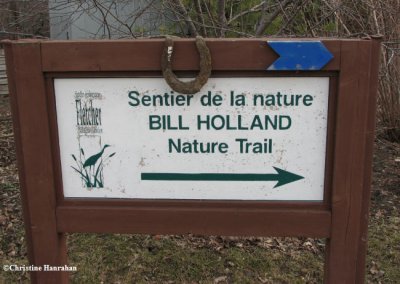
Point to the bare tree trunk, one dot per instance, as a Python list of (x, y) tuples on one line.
[(200, 18), (267, 19), (14, 15), (189, 22), (221, 18)]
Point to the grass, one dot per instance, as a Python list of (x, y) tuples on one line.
[(12, 233), (384, 249), (176, 259)]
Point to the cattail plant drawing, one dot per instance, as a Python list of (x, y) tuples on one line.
[(91, 169)]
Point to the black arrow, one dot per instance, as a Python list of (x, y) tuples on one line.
[(283, 177)]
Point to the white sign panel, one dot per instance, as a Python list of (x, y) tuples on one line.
[(237, 139)]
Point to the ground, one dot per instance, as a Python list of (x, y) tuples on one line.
[(102, 258)]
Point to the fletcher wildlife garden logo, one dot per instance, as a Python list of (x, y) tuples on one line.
[(92, 155)]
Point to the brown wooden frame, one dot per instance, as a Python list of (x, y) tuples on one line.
[(342, 217)]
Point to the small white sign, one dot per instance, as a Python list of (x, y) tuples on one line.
[(237, 139)]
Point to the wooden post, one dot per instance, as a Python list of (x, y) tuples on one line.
[(346, 247), (369, 139), (31, 127)]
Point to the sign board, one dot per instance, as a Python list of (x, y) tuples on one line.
[(277, 143), (241, 138)]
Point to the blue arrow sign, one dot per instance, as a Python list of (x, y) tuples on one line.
[(299, 55)]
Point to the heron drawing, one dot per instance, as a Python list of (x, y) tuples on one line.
[(92, 160), (92, 168)]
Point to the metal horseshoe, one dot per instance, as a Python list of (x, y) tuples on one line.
[(195, 85)]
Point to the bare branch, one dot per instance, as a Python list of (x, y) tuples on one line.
[(116, 18), (338, 17), (254, 9), (295, 12), (104, 15), (211, 19)]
